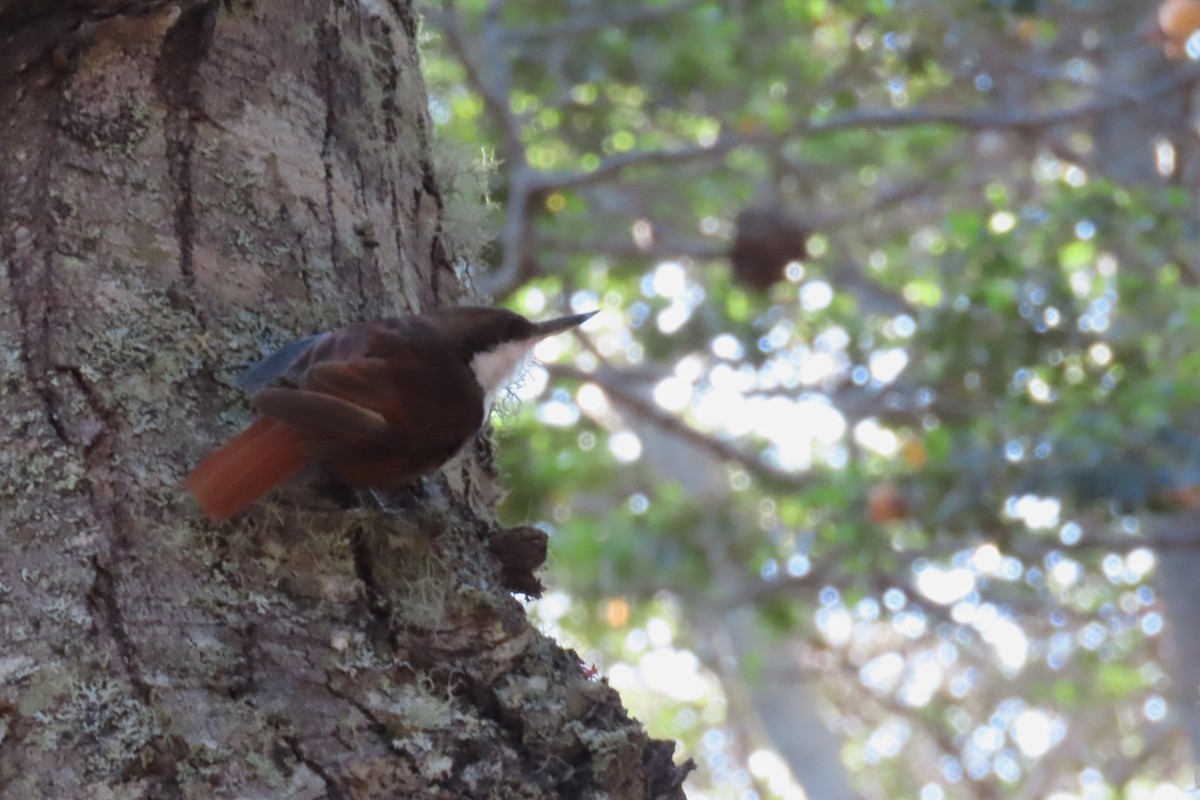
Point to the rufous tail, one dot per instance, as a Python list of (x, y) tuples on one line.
[(248, 466)]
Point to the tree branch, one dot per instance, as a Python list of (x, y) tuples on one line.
[(494, 87), (646, 410), (583, 24), (698, 248), (991, 118), (972, 119), (613, 166)]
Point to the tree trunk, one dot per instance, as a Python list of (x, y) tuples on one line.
[(181, 185), (1124, 151), (1179, 587)]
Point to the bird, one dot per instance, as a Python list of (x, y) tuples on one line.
[(377, 404)]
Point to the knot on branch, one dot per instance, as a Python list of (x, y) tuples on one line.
[(520, 551), (767, 239)]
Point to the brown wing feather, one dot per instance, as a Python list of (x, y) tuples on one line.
[(322, 416), (367, 382), (380, 406)]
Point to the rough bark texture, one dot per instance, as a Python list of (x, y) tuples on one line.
[(181, 185)]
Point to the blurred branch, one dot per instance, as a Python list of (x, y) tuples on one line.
[(659, 248), (612, 166), (494, 86), (829, 571), (893, 404), (672, 244), (872, 297), (517, 259), (888, 197), (885, 198), (1160, 540), (988, 118), (527, 186), (518, 242), (647, 411), (582, 24)]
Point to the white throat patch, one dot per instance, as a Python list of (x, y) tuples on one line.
[(494, 368)]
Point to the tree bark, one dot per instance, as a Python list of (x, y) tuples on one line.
[(183, 185)]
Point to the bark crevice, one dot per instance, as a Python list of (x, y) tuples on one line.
[(333, 787), (378, 726), (380, 624), (102, 600), (328, 45), (184, 50)]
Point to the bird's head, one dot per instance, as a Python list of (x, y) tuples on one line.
[(496, 341)]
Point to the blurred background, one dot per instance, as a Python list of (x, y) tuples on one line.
[(879, 474)]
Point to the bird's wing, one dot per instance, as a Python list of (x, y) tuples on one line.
[(384, 401), (320, 416), (276, 365), (414, 389), (366, 382)]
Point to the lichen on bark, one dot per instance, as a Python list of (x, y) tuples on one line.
[(182, 186)]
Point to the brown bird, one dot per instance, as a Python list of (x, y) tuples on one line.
[(376, 403)]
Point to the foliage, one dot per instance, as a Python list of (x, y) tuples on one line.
[(943, 441)]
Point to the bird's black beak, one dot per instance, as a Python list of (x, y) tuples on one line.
[(552, 326)]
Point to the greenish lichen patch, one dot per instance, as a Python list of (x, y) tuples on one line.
[(417, 706), (266, 769), (115, 129), (136, 362), (66, 609), (33, 460), (420, 593), (12, 371), (203, 765), (102, 718), (16, 668)]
